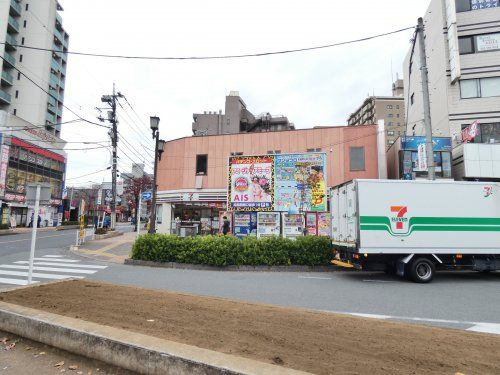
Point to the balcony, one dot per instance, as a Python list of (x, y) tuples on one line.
[(13, 25), (10, 42), (15, 8), (7, 79), (52, 101), (66, 42), (64, 57), (10, 61), (62, 84), (50, 118), (53, 92), (4, 97), (55, 66), (58, 19), (59, 111), (58, 37), (54, 80)]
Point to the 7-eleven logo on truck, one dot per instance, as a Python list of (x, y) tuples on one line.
[(399, 221)]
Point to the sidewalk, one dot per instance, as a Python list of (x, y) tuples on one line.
[(9, 232), (114, 250)]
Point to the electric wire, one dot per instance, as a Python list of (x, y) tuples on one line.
[(220, 57)]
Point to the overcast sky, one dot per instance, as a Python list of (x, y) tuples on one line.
[(311, 88)]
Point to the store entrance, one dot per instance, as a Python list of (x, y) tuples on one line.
[(195, 220)]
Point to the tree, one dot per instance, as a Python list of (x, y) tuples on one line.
[(133, 187)]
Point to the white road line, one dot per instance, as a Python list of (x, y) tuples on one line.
[(52, 256), (60, 260), (14, 281), (378, 281), (38, 238), (315, 277), (39, 275), (59, 264), (36, 268)]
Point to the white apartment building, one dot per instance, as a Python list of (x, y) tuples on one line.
[(462, 39), (33, 23)]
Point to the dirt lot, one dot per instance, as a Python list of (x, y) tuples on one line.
[(317, 342)]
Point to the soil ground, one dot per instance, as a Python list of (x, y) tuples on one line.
[(317, 342)]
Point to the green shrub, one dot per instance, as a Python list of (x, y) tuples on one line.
[(71, 223), (228, 250), (101, 231), (4, 226)]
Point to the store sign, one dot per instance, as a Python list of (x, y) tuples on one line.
[(251, 183), (489, 42), (4, 162), (421, 158), (438, 143), (300, 183), (190, 197), (484, 4)]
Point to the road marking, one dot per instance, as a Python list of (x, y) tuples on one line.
[(39, 275), (36, 268), (38, 238), (59, 264), (378, 281), (52, 256), (315, 277), (14, 281), (59, 260)]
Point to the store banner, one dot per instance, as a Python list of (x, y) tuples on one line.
[(4, 162), (470, 132), (250, 186), (300, 182), (484, 4), (421, 158), (488, 42)]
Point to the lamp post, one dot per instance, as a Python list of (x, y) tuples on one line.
[(159, 146)]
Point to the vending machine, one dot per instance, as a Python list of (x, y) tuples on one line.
[(268, 224), (245, 224), (293, 225), (311, 224), (324, 224)]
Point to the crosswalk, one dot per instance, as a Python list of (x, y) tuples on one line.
[(47, 267)]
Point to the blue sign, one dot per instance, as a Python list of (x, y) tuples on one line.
[(147, 196), (439, 143), (245, 224), (484, 4)]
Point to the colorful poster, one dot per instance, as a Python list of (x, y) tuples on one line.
[(251, 183), (311, 224), (4, 162), (324, 224), (300, 182), (293, 225)]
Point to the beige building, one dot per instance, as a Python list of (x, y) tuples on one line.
[(34, 24), (391, 109), (462, 39)]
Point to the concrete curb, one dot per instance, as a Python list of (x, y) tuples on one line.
[(129, 350), (108, 235), (202, 267)]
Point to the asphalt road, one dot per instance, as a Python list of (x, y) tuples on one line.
[(453, 299)]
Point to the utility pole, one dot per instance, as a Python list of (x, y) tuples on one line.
[(427, 105), (112, 100)]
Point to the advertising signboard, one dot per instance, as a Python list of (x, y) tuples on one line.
[(311, 224), (251, 183), (324, 224), (268, 224), (438, 143), (300, 182), (4, 162), (245, 224), (488, 42), (293, 225), (484, 4), (290, 183)]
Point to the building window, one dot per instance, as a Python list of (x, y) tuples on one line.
[(389, 106), (487, 133), (468, 5), (20, 58), (27, 7), (236, 153), (272, 152), (412, 98), (466, 45), (25, 23), (390, 133), (22, 41), (390, 115), (480, 88), (397, 115), (201, 165), (397, 107), (479, 43), (18, 76), (14, 112), (17, 94), (463, 5), (314, 149), (357, 158)]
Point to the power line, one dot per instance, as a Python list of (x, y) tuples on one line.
[(85, 175), (52, 96), (220, 57)]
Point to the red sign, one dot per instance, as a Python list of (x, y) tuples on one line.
[(37, 150), (470, 132)]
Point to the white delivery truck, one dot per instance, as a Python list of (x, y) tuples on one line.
[(414, 228)]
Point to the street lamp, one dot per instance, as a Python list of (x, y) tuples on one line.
[(154, 122)]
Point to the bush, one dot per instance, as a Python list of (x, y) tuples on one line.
[(4, 226), (101, 231), (228, 250), (70, 223)]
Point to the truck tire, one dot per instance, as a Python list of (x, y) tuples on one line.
[(421, 270)]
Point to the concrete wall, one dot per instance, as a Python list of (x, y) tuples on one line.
[(178, 165)]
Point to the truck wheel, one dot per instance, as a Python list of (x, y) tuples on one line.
[(422, 270)]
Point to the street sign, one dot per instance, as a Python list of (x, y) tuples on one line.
[(147, 196)]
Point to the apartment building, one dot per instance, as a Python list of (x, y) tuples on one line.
[(391, 109), (237, 119), (33, 23), (462, 39)]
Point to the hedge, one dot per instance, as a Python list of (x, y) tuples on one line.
[(4, 226), (227, 250), (64, 223)]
